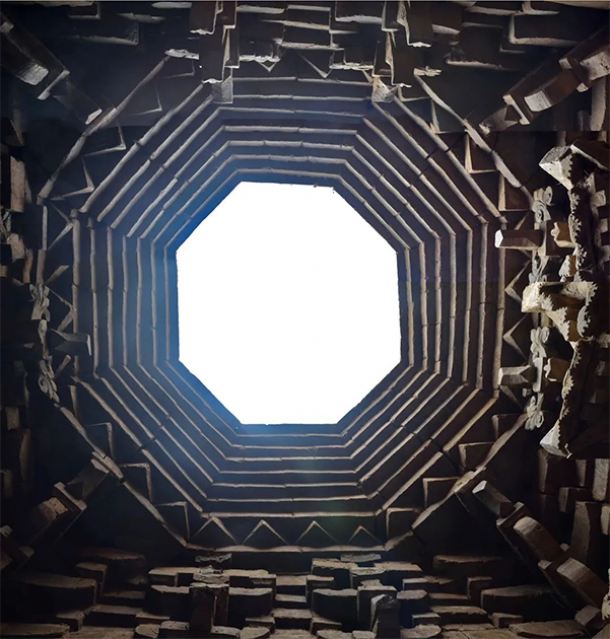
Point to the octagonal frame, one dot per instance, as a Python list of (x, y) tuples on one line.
[(384, 163)]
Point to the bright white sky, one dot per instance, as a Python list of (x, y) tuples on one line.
[(288, 304)]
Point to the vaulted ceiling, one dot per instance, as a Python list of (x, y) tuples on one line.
[(414, 131)]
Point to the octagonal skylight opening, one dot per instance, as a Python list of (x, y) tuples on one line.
[(287, 304)]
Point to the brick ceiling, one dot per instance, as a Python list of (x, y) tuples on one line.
[(137, 200), (165, 153)]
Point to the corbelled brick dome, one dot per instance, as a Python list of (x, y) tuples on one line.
[(471, 136)]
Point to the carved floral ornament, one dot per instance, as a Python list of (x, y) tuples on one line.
[(566, 378)]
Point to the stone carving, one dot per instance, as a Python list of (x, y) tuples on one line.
[(46, 381), (568, 291)]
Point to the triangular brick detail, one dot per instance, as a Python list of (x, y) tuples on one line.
[(315, 536), (263, 536), (213, 534), (517, 285), (362, 537), (519, 336)]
